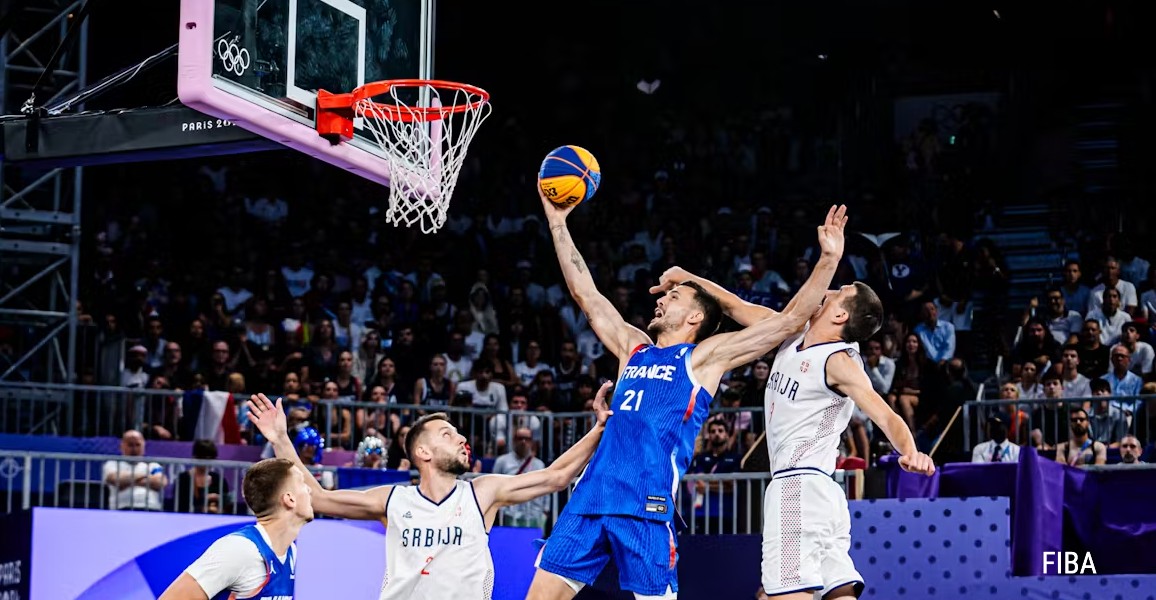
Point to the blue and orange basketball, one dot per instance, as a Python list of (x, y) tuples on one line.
[(569, 175)]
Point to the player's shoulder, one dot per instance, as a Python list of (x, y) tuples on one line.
[(234, 546)]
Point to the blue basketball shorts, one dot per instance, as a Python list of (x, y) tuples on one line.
[(644, 551)]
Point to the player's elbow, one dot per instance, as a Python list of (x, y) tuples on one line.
[(558, 479)]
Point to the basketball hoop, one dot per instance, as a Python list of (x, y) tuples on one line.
[(424, 132)]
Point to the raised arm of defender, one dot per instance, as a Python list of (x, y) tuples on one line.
[(721, 353), (368, 505), (496, 491), (616, 334)]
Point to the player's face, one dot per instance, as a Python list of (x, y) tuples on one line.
[(303, 495), (672, 310), (833, 302), (448, 448)]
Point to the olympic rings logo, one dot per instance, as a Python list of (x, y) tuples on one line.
[(234, 58)]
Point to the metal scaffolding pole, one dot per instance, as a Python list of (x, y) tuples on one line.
[(40, 208)]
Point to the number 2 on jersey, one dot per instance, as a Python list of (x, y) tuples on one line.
[(428, 560), (631, 402)]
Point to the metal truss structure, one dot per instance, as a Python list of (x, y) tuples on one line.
[(40, 231)]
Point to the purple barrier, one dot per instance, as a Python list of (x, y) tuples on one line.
[(1107, 513), (111, 445), (185, 450)]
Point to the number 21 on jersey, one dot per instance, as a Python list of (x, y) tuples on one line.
[(632, 400)]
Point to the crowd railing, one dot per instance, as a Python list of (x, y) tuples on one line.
[(706, 504), (103, 411), (1047, 420)]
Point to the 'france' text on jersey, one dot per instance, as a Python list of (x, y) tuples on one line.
[(659, 408)]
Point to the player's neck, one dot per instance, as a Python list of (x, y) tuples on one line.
[(436, 485), (281, 531), (673, 338), (820, 333)]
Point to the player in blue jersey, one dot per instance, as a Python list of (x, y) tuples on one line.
[(258, 561), (624, 501)]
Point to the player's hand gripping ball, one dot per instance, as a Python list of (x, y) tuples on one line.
[(569, 175)]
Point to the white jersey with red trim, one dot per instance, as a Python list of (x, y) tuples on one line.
[(805, 417), (436, 550)]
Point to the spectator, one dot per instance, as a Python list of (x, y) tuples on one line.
[(202, 490), (528, 369), (500, 367), (458, 364), (134, 484), (1049, 419), (1093, 354), (997, 448), (880, 368), (501, 423), (716, 456), (347, 333), (1131, 450), (1075, 293), (938, 337), (1107, 422), (1063, 323), (1080, 449), (311, 449), (1110, 317), (1129, 302), (1029, 384), (437, 389), (483, 391), (1142, 353), (1124, 382), (913, 372), (1036, 345), (1016, 419), (395, 458), (1075, 384), (522, 460), (367, 360), (738, 422), (1148, 299)]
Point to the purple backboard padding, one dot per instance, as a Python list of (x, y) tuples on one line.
[(196, 90)]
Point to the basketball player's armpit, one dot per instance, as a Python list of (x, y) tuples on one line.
[(846, 376), (729, 350)]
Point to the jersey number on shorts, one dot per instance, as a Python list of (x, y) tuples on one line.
[(428, 560), (630, 398)]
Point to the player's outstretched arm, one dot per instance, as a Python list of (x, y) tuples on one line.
[(845, 375), (507, 490), (367, 505), (744, 313), (618, 336), (721, 353)]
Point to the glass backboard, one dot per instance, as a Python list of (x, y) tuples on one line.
[(259, 63)]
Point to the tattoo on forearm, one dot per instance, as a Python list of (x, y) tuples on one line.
[(577, 261)]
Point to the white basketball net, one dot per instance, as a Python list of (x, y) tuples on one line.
[(425, 155)]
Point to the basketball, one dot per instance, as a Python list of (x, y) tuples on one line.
[(569, 175)]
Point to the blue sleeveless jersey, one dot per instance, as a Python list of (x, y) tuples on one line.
[(279, 584), (648, 443)]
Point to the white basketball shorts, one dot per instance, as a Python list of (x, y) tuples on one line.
[(806, 535)]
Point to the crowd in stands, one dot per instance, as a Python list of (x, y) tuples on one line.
[(274, 273)]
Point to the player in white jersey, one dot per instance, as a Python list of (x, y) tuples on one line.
[(437, 532), (816, 376)]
